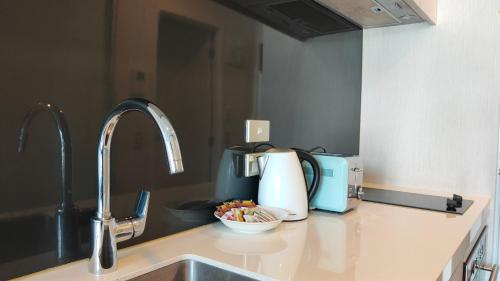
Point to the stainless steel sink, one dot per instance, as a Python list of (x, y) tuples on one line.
[(191, 270)]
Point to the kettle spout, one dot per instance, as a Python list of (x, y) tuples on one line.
[(261, 163)]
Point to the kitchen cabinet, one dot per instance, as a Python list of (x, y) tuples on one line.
[(380, 13), (427, 9)]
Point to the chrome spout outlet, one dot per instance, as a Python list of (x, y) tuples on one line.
[(107, 231)]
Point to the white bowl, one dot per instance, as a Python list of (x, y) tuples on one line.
[(256, 227)]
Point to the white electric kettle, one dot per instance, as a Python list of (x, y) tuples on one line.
[(282, 183)]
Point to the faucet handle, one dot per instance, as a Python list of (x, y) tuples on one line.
[(131, 227), (141, 204), (141, 212)]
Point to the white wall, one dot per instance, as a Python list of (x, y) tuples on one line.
[(430, 100), (430, 105)]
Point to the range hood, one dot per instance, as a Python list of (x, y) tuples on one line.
[(304, 19)]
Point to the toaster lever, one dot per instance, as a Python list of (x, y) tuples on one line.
[(358, 189), (356, 192)]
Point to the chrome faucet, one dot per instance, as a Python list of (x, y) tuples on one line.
[(107, 231)]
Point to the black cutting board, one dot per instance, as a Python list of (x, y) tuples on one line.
[(412, 200)]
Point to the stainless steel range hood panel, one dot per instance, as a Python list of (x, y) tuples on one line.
[(373, 13), (304, 19)]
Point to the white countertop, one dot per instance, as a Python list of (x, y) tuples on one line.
[(373, 242)]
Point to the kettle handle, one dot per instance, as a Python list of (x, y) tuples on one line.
[(308, 157)]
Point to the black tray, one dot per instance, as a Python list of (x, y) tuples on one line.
[(412, 200)]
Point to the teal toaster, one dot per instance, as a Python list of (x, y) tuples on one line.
[(340, 187)]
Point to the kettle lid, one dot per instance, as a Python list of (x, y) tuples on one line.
[(279, 150)]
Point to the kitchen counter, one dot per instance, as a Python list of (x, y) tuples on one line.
[(373, 242)]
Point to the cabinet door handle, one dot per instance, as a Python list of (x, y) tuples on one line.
[(491, 268)]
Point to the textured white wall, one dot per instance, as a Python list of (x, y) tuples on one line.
[(430, 103), (430, 100)]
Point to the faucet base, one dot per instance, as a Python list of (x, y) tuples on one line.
[(103, 247)]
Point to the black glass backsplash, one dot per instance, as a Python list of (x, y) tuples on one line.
[(204, 65)]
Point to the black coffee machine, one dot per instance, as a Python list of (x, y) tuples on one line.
[(231, 181)]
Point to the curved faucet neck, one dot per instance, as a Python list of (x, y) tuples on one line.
[(169, 138), (65, 144)]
